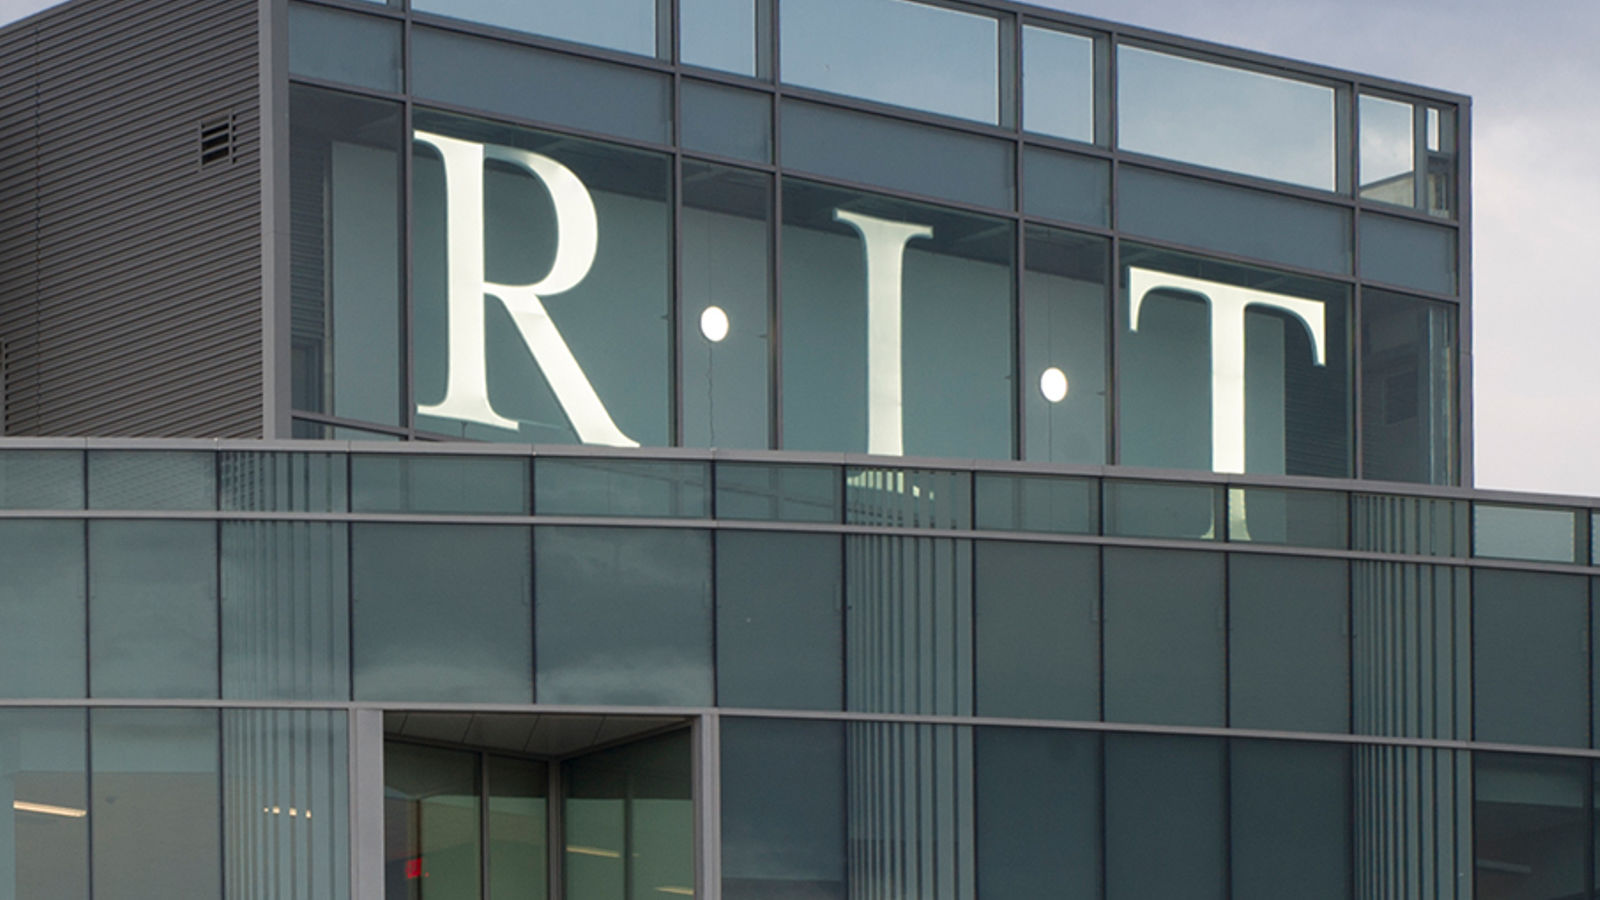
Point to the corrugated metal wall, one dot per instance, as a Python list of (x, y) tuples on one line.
[(130, 273)]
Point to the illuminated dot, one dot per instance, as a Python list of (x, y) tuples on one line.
[(714, 324), (1053, 384)]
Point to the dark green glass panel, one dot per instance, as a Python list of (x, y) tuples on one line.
[(1038, 813), (41, 479), (282, 482), (1296, 518), (1531, 832), (1163, 509), (1290, 821), (726, 121), (44, 790), (133, 479), (1164, 637), (908, 498), (432, 836), (629, 812), (1409, 415), (285, 610), (783, 838), (518, 828), (1408, 254), (1064, 339), (626, 25), (1288, 643), (1541, 534), (1066, 187), (779, 620), (438, 484), (1055, 504), (1165, 832), (616, 487), (152, 609), (331, 45), (908, 625), (42, 609), (778, 493), (1530, 658), (1037, 624)]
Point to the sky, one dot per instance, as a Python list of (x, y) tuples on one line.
[(1533, 71)]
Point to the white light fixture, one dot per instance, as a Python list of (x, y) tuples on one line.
[(1053, 384), (278, 811), (714, 324), (680, 891), (593, 851), (65, 812)]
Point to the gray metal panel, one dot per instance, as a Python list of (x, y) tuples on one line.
[(130, 283)]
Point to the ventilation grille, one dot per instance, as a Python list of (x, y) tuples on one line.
[(216, 140)]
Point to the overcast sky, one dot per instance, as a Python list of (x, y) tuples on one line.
[(1533, 70)]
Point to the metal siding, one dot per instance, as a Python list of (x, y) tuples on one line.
[(130, 282)]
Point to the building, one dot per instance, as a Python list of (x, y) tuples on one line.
[(389, 505)]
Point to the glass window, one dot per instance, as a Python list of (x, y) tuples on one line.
[(337, 46), (438, 484), (778, 493), (285, 610), (1289, 814), (780, 625), (897, 332), (156, 803), (1226, 118), (634, 804), (44, 848), (1038, 813), (1065, 362), (927, 57), (720, 34), (621, 487), (1408, 388), (431, 810), (152, 609), (783, 837), (441, 612), (626, 25), (573, 244), (1037, 625), (1163, 510), (1165, 836), (1408, 254), (908, 625), (1288, 643), (1297, 518), (898, 155), (1530, 831), (344, 232), (1411, 650), (1439, 137), (1164, 638), (41, 609), (1233, 368), (908, 498), (134, 479), (624, 616), (1240, 221), (1530, 658), (41, 479), (724, 323), (1388, 151), (477, 73), (282, 482), (1066, 187), (1058, 83), (1543, 534), (518, 825), (1421, 525), (1045, 503), (726, 121)]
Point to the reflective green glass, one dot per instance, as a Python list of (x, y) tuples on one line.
[(908, 625), (1162, 509), (1164, 820), (1530, 658), (1408, 254), (1543, 534), (724, 324), (152, 609), (624, 616), (518, 828), (441, 612), (1411, 650), (1038, 813), (1164, 637), (133, 479), (431, 810), (1388, 151), (574, 347), (44, 790), (1065, 361), (392, 483), (726, 121), (1066, 187), (332, 45), (1531, 834), (282, 482), (779, 620), (1297, 518), (1288, 643), (1037, 625), (285, 610), (1289, 817), (1058, 83), (1421, 525), (1409, 417), (908, 498), (621, 487), (627, 25), (777, 493), (345, 233), (1045, 503), (783, 837), (719, 34), (42, 609), (41, 479), (630, 820)]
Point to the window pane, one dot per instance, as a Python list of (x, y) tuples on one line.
[(727, 121), (518, 828), (1065, 363), (919, 365), (285, 610), (152, 609), (135, 479), (616, 487), (286, 482), (627, 25), (41, 609), (1388, 151), (1058, 83), (1537, 533), (1297, 518), (908, 625), (724, 318), (1408, 389), (778, 493), (1066, 187), (1226, 118), (1037, 503), (1162, 510), (578, 334), (1194, 398), (1530, 658), (337, 46), (1529, 827), (441, 612), (635, 804), (438, 484), (344, 283), (1164, 818), (41, 479), (718, 34), (1408, 254), (893, 51), (1038, 630), (624, 616), (1164, 637), (783, 837), (779, 620), (1288, 643), (44, 849), (1290, 818), (1422, 525), (1038, 813), (156, 798), (1411, 650), (431, 818), (908, 498)]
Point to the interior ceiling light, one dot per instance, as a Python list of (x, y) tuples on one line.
[(65, 812), (714, 324)]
